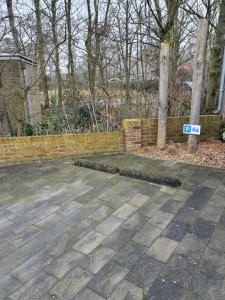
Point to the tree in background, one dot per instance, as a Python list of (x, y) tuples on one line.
[(41, 52)]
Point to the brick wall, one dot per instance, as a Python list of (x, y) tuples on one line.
[(18, 149), (145, 130), (136, 133)]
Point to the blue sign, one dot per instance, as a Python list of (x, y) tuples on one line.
[(191, 129)]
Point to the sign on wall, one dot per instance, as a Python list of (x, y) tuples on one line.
[(191, 129)]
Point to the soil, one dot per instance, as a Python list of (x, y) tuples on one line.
[(210, 153)]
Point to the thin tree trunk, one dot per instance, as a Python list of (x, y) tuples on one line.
[(56, 60), (215, 61), (163, 94), (13, 28), (198, 74), (71, 74), (41, 52)]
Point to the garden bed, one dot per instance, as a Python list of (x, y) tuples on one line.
[(210, 153)]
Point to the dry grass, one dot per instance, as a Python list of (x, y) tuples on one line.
[(210, 153)]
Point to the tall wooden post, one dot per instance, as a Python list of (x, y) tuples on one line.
[(198, 74), (163, 95)]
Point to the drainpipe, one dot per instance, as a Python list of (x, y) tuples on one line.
[(221, 90)]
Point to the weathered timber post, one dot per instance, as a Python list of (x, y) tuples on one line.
[(198, 73), (163, 94)]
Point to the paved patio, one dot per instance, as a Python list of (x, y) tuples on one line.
[(74, 233)]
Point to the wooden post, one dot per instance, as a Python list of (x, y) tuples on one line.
[(198, 74), (223, 108), (163, 94)]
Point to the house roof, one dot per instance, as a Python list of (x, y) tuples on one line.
[(17, 57)]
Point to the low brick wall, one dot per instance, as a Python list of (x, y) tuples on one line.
[(18, 149), (139, 133), (136, 133)]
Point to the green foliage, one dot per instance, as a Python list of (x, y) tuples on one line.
[(222, 132), (59, 122)]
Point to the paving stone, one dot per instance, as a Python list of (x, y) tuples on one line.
[(172, 206), (31, 267), (4, 223), (217, 200), (69, 208), (164, 288), (176, 230), (147, 235), (49, 221), (211, 182), (149, 209), (25, 236), (63, 264), (192, 246), (125, 211), (127, 291), (135, 222), (6, 266), (162, 249), (6, 249), (211, 213), (117, 202), (45, 211), (97, 259), (182, 195), (160, 198), (8, 285), (82, 228), (200, 197), (161, 219), (88, 243), (108, 195), (23, 253), (91, 207), (129, 254), (118, 239), (61, 245), (180, 269), (202, 228), (52, 233), (145, 271), (108, 279), (109, 225), (217, 241), (35, 287), (87, 294), (168, 190), (71, 284), (102, 213), (213, 264), (221, 223), (139, 200), (146, 188), (187, 215)]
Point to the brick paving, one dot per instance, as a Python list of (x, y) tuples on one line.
[(74, 233)]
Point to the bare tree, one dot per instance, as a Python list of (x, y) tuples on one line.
[(70, 66), (13, 27), (41, 52), (215, 60)]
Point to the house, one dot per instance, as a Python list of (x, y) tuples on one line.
[(18, 72)]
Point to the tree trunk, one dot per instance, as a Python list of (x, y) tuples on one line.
[(13, 28), (41, 52), (215, 61), (71, 74), (198, 74), (163, 94), (56, 60)]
